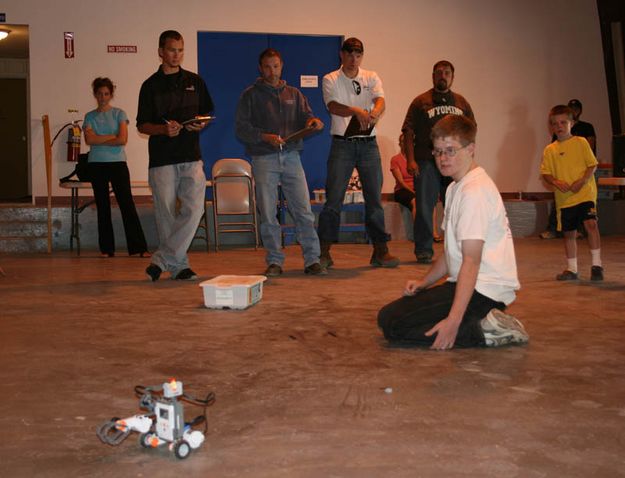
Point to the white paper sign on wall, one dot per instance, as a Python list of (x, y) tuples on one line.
[(308, 81)]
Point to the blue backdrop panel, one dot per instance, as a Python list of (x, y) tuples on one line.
[(228, 63)]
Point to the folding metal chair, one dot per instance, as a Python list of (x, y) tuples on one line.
[(203, 226), (234, 195)]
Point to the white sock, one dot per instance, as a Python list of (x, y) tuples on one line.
[(595, 255), (572, 264)]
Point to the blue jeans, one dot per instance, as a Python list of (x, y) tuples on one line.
[(427, 188), (184, 182), (344, 157), (284, 168)]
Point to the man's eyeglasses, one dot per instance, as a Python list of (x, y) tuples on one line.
[(357, 87), (449, 152)]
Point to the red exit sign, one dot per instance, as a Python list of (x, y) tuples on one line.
[(121, 48)]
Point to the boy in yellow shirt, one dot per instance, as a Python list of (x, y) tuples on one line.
[(568, 165)]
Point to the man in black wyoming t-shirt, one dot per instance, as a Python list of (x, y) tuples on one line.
[(423, 113)]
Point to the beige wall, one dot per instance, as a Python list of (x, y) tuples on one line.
[(514, 60)]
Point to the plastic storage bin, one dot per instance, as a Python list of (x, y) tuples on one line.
[(232, 292)]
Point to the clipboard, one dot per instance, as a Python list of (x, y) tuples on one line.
[(198, 119), (353, 129), (300, 134)]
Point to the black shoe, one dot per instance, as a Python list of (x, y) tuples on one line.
[(154, 272), (273, 270), (315, 269), (567, 275), (186, 274), (424, 258), (596, 273)]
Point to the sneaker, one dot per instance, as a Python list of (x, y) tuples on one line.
[(567, 275), (315, 269), (424, 258), (501, 329), (596, 273), (326, 261), (273, 270), (143, 255), (548, 234), (186, 274), (153, 272)]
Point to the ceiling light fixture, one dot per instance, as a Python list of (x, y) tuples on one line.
[(4, 33)]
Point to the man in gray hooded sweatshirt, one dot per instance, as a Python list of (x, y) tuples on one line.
[(268, 112)]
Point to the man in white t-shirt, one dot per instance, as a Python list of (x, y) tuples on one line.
[(355, 100), (479, 261)]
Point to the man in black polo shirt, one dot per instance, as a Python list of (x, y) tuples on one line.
[(168, 98)]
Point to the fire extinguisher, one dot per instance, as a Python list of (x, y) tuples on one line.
[(73, 142)]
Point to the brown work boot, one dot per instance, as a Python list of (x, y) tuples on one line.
[(325, 259), (381, 256)]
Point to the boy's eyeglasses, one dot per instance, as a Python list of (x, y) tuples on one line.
[(357, 87), (449, 152)]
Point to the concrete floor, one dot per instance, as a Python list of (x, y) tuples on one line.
[(300, 378)]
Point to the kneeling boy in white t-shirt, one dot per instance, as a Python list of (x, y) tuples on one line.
[(479, 261)]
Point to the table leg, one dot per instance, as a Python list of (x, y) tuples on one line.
[(75, 233)]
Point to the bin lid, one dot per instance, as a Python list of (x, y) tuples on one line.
[(232, 280)]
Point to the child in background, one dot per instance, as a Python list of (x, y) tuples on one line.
[(568, 165), (404, 187), (404, 181)]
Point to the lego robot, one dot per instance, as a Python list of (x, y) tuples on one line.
[(164, 424)]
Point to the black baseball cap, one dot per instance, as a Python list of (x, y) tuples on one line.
[(353, 44), (575, 104)]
